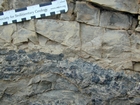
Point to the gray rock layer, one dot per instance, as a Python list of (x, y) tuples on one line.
[(39, 78), (131, 6)]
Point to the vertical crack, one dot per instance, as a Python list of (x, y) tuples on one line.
[(80, 35)]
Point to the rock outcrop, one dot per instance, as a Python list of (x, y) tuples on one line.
[(87, 56), (39, 78), (130, 6)]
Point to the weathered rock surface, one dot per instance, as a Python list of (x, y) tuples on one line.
[(92, 40), (23, 35), (21, 4), (1, 7), (137, 66), (6, 32), (69, 16), (41, 78), (87, 56), (63, 32), (115, 20), (87, 13), (131, 6), (115, 43)]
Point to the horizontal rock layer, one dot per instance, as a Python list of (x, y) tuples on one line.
[(87, 56), (131, 6), (114, 47)]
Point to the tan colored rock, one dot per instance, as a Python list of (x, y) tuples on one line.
[(137, 66), (23, 46), (69, 15), (19, 4), (29, 25), (116, 37), (7, 31), (53, 48), (115, 43), (33, 38), (42, 40), (138, 28), (135, 55), (3, 5), (135, 41), (63, 32), (87, 13), (130, 6), (2, 42), (92, 40), (23, 35), (111, 48), (127, 65), (33, 47), (139, 17), (115, 20)]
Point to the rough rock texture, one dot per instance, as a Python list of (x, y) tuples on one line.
[(131, 6), (39, 78), (87, 56), (69, 16), (115, 20), (20, 3), (87, 14), (58, 31)]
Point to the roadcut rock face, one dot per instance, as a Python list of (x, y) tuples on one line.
[(87, 56)]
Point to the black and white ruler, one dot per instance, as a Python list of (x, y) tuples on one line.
[(32, 12)]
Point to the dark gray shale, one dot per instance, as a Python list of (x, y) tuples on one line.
[(38, 78)]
